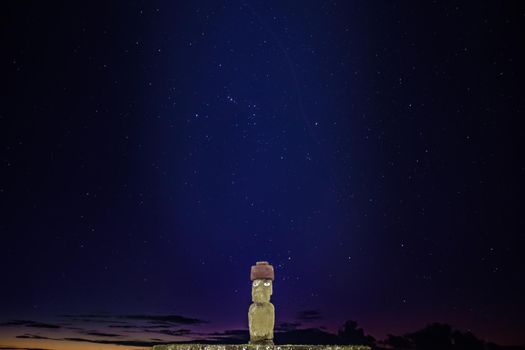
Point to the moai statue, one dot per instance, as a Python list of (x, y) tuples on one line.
[(261, 315)]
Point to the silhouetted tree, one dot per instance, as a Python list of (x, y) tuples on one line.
[(350, 334), (398, 342), (467, 341), (436, 336)]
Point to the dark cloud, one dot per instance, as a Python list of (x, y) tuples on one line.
[(172, 332), (97, 320), (309, 315), (287, 326), (156, 326), (96, 341), (32, 336), (102, 334), (87, 316), (132, 326), (116, 342), (142, 326), (176, 319), (17, 348), (27, 323), (165, 318)]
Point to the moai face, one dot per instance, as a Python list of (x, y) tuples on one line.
[(262, 289)]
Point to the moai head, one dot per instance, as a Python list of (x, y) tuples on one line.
[(262, 276)]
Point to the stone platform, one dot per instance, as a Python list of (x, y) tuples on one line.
[(258, 347)]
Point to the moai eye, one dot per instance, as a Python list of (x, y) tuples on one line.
[(267, 284), (256, 283)]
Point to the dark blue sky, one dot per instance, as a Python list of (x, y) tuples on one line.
[(151, 152)]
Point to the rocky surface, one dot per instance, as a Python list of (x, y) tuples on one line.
[(258, 347)]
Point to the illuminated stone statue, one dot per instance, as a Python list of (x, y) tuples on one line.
[(261, 315)]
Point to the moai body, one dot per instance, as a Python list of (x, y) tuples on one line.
[(261, 315)]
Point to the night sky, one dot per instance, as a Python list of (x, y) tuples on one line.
[(151, 152)]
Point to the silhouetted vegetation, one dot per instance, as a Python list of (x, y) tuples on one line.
[(438, 336), (350, 334)]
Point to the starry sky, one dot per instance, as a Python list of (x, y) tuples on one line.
[(152, 151)]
